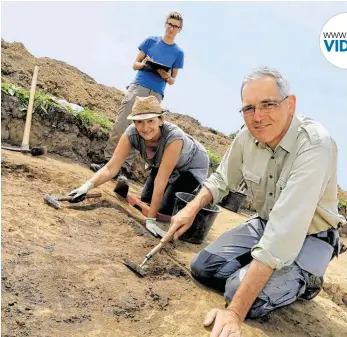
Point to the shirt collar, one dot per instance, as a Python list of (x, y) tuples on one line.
[(289, 138)]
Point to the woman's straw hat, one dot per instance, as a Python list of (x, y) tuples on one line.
[(146, 108)]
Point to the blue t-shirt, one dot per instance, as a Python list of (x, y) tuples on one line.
[(159, 51)]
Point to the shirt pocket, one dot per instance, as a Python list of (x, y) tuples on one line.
[(253, 183)]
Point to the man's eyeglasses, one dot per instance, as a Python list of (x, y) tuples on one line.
[(172, 26), (265, 107)]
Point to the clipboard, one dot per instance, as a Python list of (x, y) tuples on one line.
[(154, 66)]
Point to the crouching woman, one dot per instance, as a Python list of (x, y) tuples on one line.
[(178, 162)]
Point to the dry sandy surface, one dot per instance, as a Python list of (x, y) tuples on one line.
[(62, 273)]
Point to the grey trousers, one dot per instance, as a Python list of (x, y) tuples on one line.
[(223, 264), (121, 122)]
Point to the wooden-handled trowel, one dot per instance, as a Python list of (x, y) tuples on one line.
[(54, 201)]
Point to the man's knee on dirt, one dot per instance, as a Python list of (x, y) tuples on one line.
[(198, 266), (209, 269), (205, 265)]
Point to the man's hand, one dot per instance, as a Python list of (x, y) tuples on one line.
[(79, 194), (164, 74), (226, 323), (144, 61), (180, 223)]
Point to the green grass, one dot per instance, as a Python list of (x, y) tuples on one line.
[(342, 203), (90, 118), (214, 158), (44, 101)]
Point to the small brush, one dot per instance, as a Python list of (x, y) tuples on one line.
[(138, 269)]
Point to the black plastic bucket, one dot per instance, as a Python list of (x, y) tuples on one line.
[(233, 201), (202, 222)]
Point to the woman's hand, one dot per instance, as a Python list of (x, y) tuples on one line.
[(79, 194), (151, 223)]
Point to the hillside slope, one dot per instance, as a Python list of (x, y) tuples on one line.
[(67, 82)]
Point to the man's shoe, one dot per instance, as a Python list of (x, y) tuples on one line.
[(314, 287)]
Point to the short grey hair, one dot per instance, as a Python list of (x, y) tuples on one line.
[(282, 84)]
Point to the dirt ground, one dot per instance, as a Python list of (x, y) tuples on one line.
[(62, 273)]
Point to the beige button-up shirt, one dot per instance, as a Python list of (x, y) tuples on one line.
[(294, 187)]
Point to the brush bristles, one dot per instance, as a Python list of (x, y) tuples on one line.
[(134, 267)]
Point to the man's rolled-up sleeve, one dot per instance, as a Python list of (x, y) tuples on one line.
[(228, 174), (292, 214)]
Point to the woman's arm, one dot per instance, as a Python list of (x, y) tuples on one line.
[(167, 165), (116, 162)]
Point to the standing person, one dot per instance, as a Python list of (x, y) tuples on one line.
[(178, 162), (163, 50), (290, 166)]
